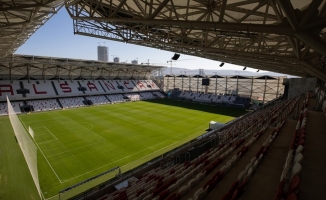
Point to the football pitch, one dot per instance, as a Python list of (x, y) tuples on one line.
[(77, 144)]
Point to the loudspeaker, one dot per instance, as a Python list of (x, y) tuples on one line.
[(205, 81), (176, 56)]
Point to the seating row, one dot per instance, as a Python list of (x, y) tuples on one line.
[(98, 100), (74, 102), (16, 106), (290, 177), (218, 176), (44, 105)]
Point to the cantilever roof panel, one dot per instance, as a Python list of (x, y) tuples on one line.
[(20, 19)]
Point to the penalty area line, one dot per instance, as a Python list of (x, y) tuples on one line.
[(43, 155), (50, 132)]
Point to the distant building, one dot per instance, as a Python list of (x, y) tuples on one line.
[(134, 62), (201, 72), (102, 53), (116, 59)]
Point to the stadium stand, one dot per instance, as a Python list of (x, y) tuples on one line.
[(39, 89), (116, 98), (222, 100), (73, 102), (111, 86), (146, 95), (141, 85), (34, 89), (97, 100), (158, 94), (204, 98), (151, 84), (91, 87), (44, 105), (11, 90), (68, 88), (15, 105), (133, 96), (128, 86)]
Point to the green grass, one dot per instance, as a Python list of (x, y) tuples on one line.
[(77, 144)]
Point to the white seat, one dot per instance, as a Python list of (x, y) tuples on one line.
[(255, 165), (247, 168), (172, 187), (260, 157), (296, 169), (183, 190), (192, 183), (200, 176), (298, 158), (148, 197), (252, 161), (299, 149), (142, 195), (241, 176), (249, 173)]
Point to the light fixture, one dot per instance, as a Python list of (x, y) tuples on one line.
[(221, 65), (258, 70), (244, 68)]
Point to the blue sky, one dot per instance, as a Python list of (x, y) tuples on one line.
[(56, 39)]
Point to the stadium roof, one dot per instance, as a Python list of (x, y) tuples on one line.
[(20, 19), (40, 67), (284, 36)]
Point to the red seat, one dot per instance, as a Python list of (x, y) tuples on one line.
[(233, 186), (292, 196), (172, 196), (226, 196), (294, 184), (279, 190), (235, 195), (301, 142), (163, 194)]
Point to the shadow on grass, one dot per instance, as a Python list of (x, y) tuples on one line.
[(227, 111)]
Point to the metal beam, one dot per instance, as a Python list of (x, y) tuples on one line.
[(310, 12), (289, 12), (158, 9), (313, 41), (259, 28), (312, 70)]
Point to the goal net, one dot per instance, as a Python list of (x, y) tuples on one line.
[(26, 144)]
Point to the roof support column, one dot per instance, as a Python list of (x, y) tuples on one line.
[(310, 69), (28, 76), (315, 42), (10, 73)]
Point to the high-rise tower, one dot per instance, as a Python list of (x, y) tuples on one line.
[(102, 53)]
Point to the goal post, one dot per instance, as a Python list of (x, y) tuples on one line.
[(26, 144), (31, 132)]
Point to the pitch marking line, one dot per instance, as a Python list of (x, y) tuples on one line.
[(86, 128), (76, 148), (43, 155), (50, 132), (46, 142)]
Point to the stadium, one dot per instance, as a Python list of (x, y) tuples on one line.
[(84, 129)]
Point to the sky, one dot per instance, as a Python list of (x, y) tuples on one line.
[(56, 39)]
